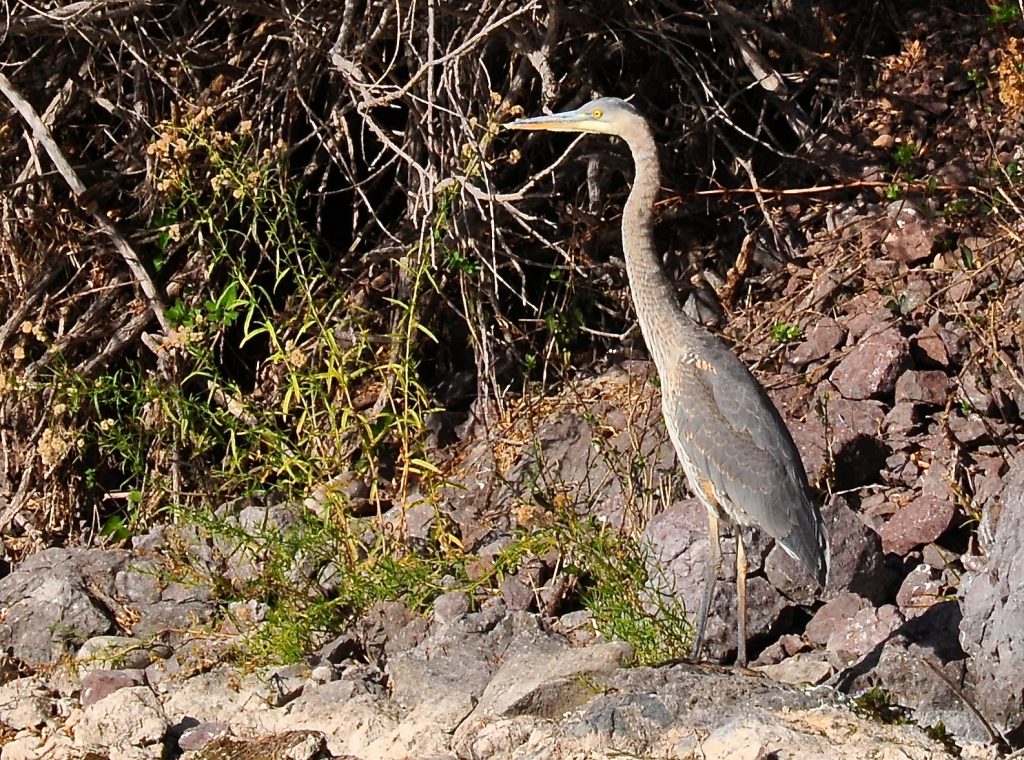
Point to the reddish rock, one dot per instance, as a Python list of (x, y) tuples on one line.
[(929, 347), (901, 420), (853, 434), (968, 431), (97, 684), (910, 242), (679, 540), (920, 522), (863, 632), (989, 475), (867, 314), (834, 616), (821, 339), (915, 295), (962, 288), (873, 366), (197, 737), (920, 590), (1007, 396), (930, 386)]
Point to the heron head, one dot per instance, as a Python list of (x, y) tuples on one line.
[(605, 116)]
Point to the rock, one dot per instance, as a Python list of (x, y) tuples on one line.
[(921, 589), (862, 633), (902, 420), (211, 697), (921, 521), (343, 647), (989, 477), (517, 595), (450, 669), (171, 619), (578, 627), (290, 745), (25, 703), (991, 598), (821, 340), (929, 347), (128, 718), (389, 627), (788, 645), (51, 602), (113, 653), (1006, 398), (322, 674), (97, 684), (812, 668), (905, 667), (790, 577), (355, 717), (451, 605), (541, 675), (33, 746), (200, 735), (871, 369), (692, 711), (678, 537), (834, 616), (969, 430), (930, 387), (583, 443), (244, 617), (852, 433), (280, 685), (414, 523), (856, 560), (909, 243), (139, 582)]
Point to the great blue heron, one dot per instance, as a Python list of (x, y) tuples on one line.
[(738, 455)]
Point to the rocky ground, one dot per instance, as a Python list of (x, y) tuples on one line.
[(892, 343), (107, 656)]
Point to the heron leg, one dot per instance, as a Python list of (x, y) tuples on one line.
[(741, 600), (711, 576)]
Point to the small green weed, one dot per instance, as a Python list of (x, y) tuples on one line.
[(879, 704), (904, 154), (629, 599), (783, 332), (955, 208), (1003, 13)]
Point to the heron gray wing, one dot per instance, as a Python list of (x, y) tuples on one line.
[(734, 436)]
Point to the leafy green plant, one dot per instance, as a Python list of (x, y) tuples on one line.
[(783, 332), (327, 386), (618, 582), (878, 704), (903, 155), (458, 261), (1003, 13), (955, 208)]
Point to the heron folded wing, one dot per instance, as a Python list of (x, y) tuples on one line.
[(733, 435)]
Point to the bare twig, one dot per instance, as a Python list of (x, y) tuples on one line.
[(45, 138)]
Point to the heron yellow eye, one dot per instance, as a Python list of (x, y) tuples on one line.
[(597, 113)]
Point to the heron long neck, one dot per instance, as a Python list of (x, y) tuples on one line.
[(654, 299)]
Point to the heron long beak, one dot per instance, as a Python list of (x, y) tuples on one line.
[(570, 121)]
